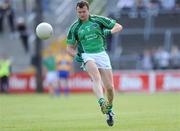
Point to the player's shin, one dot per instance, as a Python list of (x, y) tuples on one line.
[(110, 95)]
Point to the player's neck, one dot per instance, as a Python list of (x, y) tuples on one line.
[(85, 20)]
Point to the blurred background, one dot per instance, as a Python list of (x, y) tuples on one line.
[(145, 56)]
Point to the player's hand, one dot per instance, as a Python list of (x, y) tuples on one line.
[(106, 32)]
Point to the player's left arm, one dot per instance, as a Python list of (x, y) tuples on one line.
[(110, 25), (117, 28)]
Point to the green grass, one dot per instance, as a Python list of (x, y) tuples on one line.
[(134, 112)]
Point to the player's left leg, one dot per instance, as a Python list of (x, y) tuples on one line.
[(107, 79), (66, 83), (66, 86)]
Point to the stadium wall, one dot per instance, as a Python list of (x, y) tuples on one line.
[(125, 81)]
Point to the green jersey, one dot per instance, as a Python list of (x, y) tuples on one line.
[(89, 34), (50, 63)]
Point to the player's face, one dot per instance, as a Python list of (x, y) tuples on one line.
[(83, 13)]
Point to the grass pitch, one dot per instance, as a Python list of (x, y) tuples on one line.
[(134, 112)]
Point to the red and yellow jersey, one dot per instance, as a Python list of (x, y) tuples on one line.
[(64, 62)]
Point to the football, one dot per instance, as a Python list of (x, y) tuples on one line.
[(44, 31)]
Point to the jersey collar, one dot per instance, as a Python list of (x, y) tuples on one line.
[(90, 17)]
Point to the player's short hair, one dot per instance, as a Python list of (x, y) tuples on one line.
[(82, 3)]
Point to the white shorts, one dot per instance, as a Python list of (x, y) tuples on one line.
[(101, 59), (51, 77)]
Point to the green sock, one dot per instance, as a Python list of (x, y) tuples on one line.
[(101, 101), (109, 108)]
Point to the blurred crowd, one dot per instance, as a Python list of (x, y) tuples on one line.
[(17, 26), (6, 11), (157, 58), (151, 4), (160, 59)]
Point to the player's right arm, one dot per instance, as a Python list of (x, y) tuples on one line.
[(71, 42), (71, 50)]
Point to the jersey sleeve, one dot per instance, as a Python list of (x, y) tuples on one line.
[(107, 22), (71, 40)]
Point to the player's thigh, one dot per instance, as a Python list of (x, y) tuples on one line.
[(92, 70), (107, 77), (103, 61)]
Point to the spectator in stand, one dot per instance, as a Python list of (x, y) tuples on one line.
[(162, 58), (154, 61), (6, 10), (152, 6), (2, 14), (10, 15), (23, 34), (147, 60), (175, 58)]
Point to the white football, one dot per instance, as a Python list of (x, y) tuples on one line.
[(44, 30)]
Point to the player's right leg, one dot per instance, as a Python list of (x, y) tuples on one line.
[(93, 72), (52, 81), (51, 89)]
